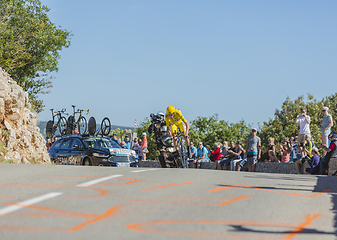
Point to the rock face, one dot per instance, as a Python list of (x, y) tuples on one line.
[(20, 136)]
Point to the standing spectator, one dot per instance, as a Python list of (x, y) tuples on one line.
[(138, 149), (326, 126), (313, 162), (253, 150), (127, 138), (193, 150), (114, 138), (144, 146), (304, 121), (331, 153), (201, 156)]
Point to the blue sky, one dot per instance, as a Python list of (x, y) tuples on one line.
[(239, 59)]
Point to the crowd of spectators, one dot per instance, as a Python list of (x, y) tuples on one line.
[(297, 149)]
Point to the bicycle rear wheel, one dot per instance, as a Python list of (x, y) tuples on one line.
[(62, 125), (105, 126), (49, 129), (81, 125)]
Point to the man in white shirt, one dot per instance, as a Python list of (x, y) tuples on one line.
[(304, 121)]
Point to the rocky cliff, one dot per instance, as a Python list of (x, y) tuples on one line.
[(21, 140)]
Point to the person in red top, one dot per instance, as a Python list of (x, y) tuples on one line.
[(217, 153), (144, 146)]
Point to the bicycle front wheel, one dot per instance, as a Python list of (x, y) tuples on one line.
[(62, 124), (105, 126), (82, 125)]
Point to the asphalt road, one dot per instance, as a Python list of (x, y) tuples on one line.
[(74, 202)]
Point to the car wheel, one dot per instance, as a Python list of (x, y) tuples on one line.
[(87, 162)]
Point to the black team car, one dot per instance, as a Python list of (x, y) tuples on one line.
[(91, 151)]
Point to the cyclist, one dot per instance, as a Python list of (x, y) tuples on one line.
[(174, 118)]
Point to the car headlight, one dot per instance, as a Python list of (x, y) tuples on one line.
[(100, 155)]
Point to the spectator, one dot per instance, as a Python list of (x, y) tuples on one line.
[(114, 138), (304, 121), (138, 149), (253, 150), (193, 150), (224, 148), (217, 153), (331, 153), (295, 152), (285, 151), (271, 146), (308, 146), (241, 152), (326, 126), (135, 143), (313, 162), (127, 138), (123, 144), (307, 154), (231, 155), (144, 146), (272, 157), (201, 156), (48, 143)]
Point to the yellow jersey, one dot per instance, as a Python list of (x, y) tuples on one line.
[(177, 118)]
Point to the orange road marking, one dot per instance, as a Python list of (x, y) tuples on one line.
[(140, 227), (168, 185), (95, 219), (301, 227), (268, 190), (233, 200), (98, 218), (55, 211), (102, 193), (191, 203), (131, 181)]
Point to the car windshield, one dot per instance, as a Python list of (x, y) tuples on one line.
[(101, 143)]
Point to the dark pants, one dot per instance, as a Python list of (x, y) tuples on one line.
[(324, 165)]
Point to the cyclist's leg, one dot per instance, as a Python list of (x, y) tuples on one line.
[(174, 135), (187, 140)]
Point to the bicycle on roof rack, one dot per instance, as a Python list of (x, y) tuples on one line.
[(104, 130), (60, 125), (80, 125)]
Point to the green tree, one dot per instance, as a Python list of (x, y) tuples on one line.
[(282, 125), (211, 130), (30, 45)]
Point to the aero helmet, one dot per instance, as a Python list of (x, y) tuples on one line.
[(170, 110)]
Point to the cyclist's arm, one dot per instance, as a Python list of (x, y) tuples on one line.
[(187, 127)]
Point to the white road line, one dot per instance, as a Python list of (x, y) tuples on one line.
[(144, 170), (90, 183), (28, 202)]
